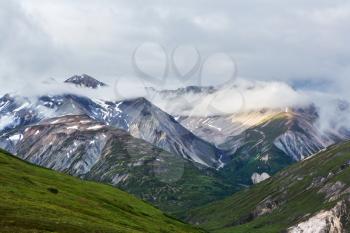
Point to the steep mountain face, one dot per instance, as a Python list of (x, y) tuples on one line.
[(137, 116), (35, 199), (83, 147), (85, 80), (144, 120), (296, 133), (310, 196), (155, 126)]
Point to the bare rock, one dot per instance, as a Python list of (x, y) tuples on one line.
[(330, 221)]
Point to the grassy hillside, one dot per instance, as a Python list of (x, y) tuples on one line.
[(35, 199), (291, 196)]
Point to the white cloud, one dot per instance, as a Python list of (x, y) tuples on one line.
[(242, 95), (330, 16), (25, 49), (272, 40), (212, 22)]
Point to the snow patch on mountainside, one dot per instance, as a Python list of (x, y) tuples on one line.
[(257, 178)]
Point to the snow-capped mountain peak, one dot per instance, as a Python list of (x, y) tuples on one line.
[(85, 80)]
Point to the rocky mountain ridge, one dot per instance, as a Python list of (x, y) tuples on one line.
[(137, 116)]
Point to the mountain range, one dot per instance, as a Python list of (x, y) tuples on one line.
[(174, 160)]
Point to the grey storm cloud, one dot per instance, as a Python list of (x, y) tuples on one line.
[(270, 40)]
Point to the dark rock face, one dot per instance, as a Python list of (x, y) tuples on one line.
[(85, 81)]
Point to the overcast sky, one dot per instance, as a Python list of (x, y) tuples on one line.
[(305, 43)]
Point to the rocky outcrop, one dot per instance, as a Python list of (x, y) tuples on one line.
[(265, 207), (331, 221)]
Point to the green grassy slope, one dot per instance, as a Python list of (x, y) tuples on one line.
[(34, 199), (287, 198)]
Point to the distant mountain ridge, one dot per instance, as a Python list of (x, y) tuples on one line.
[(184, 90)]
